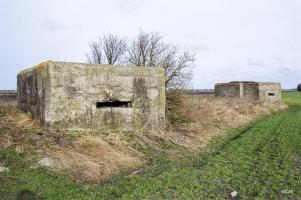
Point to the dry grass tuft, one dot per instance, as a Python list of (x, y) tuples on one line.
[(92, 159), (227, 112), (20, 119), (6, 141)]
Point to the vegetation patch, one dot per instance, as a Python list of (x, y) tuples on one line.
[(259, 161)]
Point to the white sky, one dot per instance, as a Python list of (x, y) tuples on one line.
[(257, 40)]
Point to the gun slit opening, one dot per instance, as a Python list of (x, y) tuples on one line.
[(114, 104)]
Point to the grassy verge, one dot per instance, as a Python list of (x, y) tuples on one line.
[(261, 161)]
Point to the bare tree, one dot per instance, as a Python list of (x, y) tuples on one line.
[(137, 53), (114, 48), (178, 68), (146, 50), (95, 55), (108, 50), (149, 50)]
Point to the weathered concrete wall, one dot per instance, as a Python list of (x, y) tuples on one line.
[(32, 88), (249, 90), (270, 91), (227, 90), (83, 96)]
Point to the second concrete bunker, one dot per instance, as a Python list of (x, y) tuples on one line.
[(267, 91)]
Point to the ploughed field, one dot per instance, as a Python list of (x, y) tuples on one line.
[(261, 160)]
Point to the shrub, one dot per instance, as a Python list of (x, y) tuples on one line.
[(174, 104)]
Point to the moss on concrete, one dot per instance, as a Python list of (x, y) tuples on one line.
[(42, 65)]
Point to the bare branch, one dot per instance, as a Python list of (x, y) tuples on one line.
[(114, 48), (145, 49), (95, 54), (181, 71)]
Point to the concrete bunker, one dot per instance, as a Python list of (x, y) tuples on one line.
[(63, 95), (267, 91)]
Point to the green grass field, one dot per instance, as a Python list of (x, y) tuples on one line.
[(260, 161)]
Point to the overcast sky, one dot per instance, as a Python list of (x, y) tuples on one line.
[(256, 40)]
